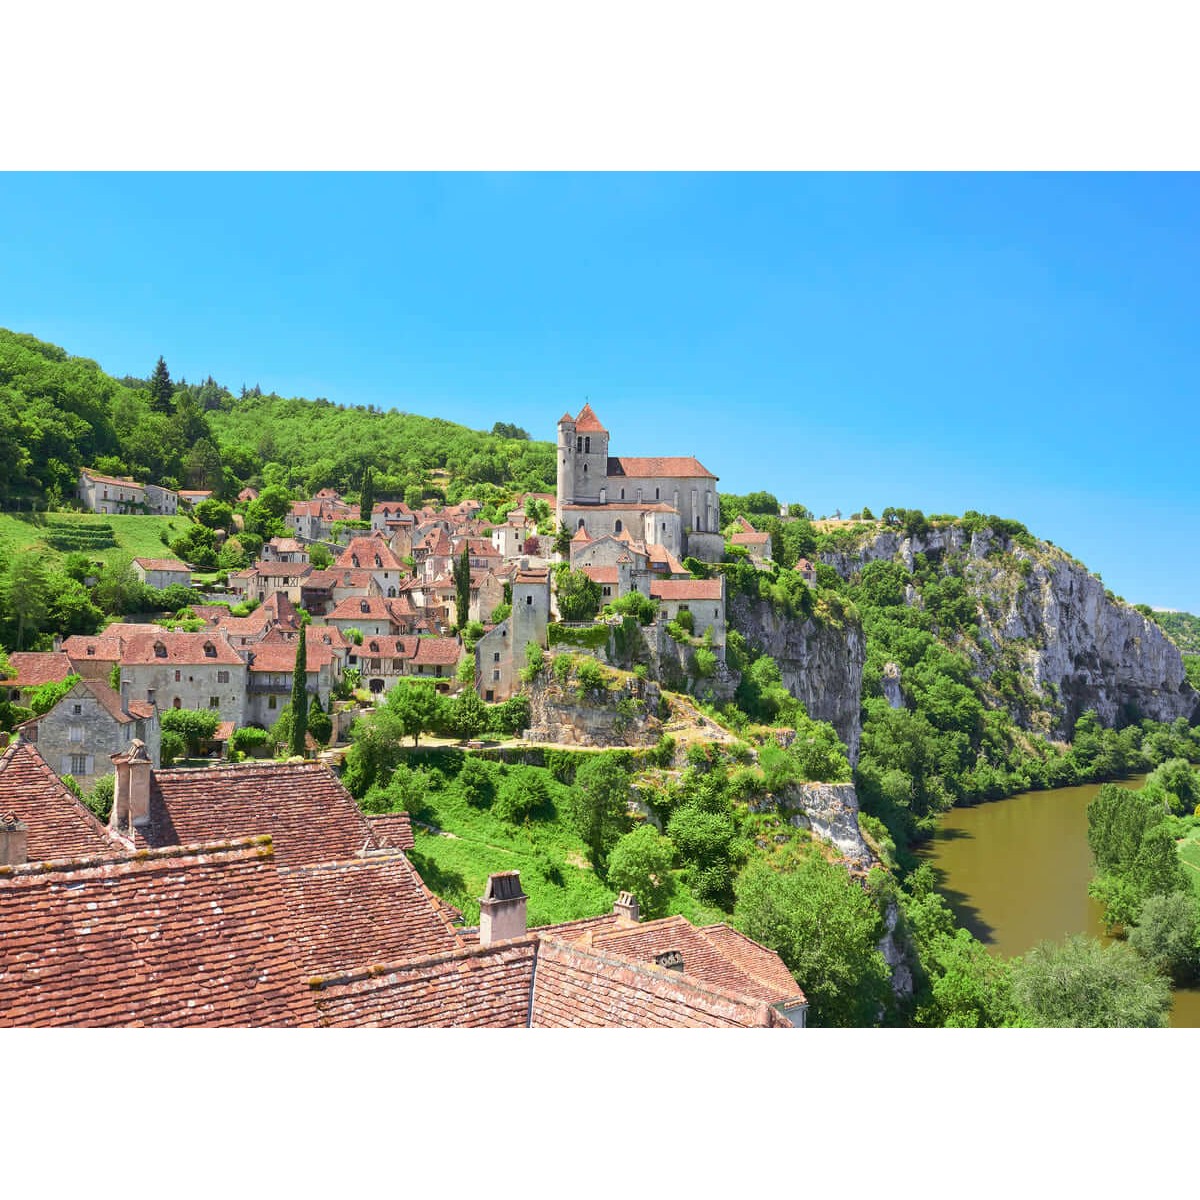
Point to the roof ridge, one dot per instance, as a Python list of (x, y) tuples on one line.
[(259, 843)]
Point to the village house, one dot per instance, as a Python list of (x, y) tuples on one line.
[(667, 501), (270, 669), (758, 545), (193, 496), (264, 577), (500, 654), (29, 669), (88, 724), (162, 572), (372, 554), (185, 670), (161, 501), (367, 614), (281, 549), (110, 494), (807, 572), (704, 599), (94, 655)]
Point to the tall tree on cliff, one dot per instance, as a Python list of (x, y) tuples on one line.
[(462, 587), (161, 387), (366, 495), (299, 697)]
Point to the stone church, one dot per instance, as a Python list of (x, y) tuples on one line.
[(669, 502)]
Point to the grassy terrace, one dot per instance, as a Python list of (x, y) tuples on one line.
[(136, 535)]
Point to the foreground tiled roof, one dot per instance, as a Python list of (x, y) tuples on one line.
[(650, 468), (362, 911), (59, 825), (393, 830), (476, 988), (579, 988), (32, 668), (302, 806), (194, 936)]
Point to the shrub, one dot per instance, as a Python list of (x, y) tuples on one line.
[(641, 864), (706, 662), (248, 738), (588, 676), (172, 747), (523, 794), (192, 724)]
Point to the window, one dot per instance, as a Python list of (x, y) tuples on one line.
[(271, 701), (495, 675), (149, 695), (222, 676), (528, 599), (656, 496), (578, 449), (210, 651), (622, 493), (77, 709), (160, 651), (489, 695), (176, 676), (618, 527), (177, 703), (214, 702), (91, 649), (587, 446), (496, 656), (75, 733), (79, 764)]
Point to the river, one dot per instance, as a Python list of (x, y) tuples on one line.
[(1016, 872)]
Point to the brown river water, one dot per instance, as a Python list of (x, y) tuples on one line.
[(1016, 872)]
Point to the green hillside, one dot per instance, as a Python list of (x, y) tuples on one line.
[(134, 535)]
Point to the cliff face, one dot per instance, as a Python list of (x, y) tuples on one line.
[(821, 664), (1051, 620)]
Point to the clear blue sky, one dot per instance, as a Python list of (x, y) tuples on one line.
[(1024, 345)]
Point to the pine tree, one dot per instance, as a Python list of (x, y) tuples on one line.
[(366, 496), (299, 696), (161, 387), (462, 585)]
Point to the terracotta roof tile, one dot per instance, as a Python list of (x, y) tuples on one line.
[(358, 912), (180, 648), (437, 651), (59, 824), (194, 936), (686, 589), (302, 806), (588, 422), (126, 483), (30, 668), (366, 550), (280, 657), (392, 830), (162, 564), (651, 468)]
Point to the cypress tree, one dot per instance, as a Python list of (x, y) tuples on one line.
[(462, 584), (366, 496), (161, 387), (299, 697)]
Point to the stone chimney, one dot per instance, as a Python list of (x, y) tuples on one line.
[(670, 960), (125, 696), (502, 908), (131, 793), (14, 841), (626, 906)]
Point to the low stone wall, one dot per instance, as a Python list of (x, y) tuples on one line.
[(559, 715)]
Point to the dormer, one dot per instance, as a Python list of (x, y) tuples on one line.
[(210, 651), (363, 606), (160, 651)]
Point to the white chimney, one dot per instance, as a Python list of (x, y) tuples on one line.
[(502, 908), (131, 792), (14, 841)]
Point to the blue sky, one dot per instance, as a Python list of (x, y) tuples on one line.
[(1017, 344)]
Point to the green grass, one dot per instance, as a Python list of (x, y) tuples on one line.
[(1189, 851), (137, 536)]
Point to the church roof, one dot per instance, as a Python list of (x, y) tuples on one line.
[(650, 468), (588, 422)]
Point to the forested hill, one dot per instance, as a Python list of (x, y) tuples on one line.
[(59, 412)]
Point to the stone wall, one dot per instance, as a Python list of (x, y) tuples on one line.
[(559, 715)]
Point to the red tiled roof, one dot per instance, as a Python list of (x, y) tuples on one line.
[(600, 574), (437, 651), (110, 701), (660, 554), (484, 986), (686, 589), (351, 608), (106, 648), (578, 988), (393, 830), (650, 468), (59, 825), (265, 569), (280, 657), (32, 668), (162, 564), (127, 483), (750, 539), (581, 535), (194, 936), (180, 648), (361, 911), (387, 645), (309, 815), (366, 550), (588, 422)]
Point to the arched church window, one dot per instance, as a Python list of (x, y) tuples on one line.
[(618, 527), (587, 445), (578, 444)]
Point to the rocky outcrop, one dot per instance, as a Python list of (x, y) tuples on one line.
[(890, 683), (821, 663), (1075, 645), (830, 810), (598, 717)]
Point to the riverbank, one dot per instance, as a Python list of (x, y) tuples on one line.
[(1016, 872)]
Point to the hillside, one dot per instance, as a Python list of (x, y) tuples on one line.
[(59, 412), (49, 535)]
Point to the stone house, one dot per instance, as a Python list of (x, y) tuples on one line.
[(703, 598), (758, 545), (29, 669), (283, 549), (193, 496), (185, 670), (500, 654), (110, 494), (88, 724), (264, 577), (162, 572), (367, 614), (373, 555), (670, 501), (162, 501), (270, 668), (807, 572)]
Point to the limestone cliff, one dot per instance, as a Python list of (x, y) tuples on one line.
[(1045, 617), (821, 663)]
